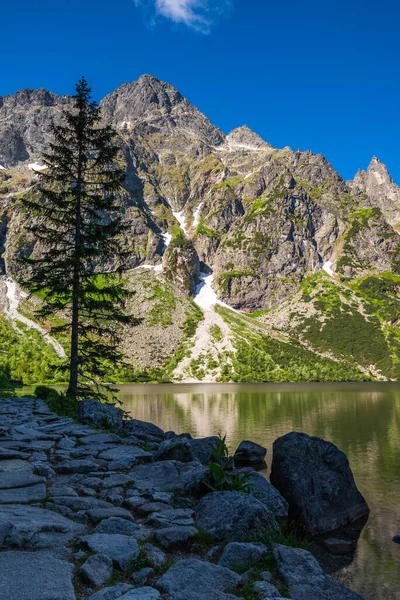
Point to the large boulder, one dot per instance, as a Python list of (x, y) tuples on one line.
[(97, 413), (233, 516), (315, 478), (193, 579), (305, 578), (170, 476), (250, 454)]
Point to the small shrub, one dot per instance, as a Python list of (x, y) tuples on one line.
[(221, 478), (58, 402)]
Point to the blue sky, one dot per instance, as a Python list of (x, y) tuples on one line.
[(312, 75)]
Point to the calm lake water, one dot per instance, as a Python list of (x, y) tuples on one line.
[(363, 420)]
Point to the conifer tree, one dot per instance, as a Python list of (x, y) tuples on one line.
[(76, 220)]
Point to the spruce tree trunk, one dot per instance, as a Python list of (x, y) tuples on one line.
[(74, 364)]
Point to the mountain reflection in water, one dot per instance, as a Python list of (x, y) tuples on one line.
[(363, 420)]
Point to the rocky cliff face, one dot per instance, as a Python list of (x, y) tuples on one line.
[(262, 220)]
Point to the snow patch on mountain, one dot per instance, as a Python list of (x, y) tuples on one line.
[(14, 294)]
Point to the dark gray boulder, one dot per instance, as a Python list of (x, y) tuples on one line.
[(202, 448), (233, 516), (193, 579), (250, 454), (175, 538), (140, 578), (143, 430), (97, 569), (315, 478), (123, 550), (240, 556), (97, 413), (266, 493), (177, 448), (305, 578), (116, 525)]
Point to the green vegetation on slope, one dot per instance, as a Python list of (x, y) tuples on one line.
[(355, 323), (261, 358), (25, 357)]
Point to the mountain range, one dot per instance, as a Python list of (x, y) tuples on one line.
[(250, 263)]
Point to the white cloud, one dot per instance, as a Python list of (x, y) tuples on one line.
[(198, 14)]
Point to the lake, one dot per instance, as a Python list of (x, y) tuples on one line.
[(363, 420)]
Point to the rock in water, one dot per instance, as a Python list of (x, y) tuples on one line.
[(315, 478), (250, 454), (233, 516), (396, 539), (305, 578)]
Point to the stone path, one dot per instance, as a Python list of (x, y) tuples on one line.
[(88, 514)]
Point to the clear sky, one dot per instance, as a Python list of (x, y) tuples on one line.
[(312, 75)]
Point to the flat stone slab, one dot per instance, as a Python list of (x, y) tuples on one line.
[(122, 549), (82, 503), (10, 479), (35, 576), (126, 452), (143, 593), (23, 495), (77, 466), (101, 438), (31, 527), (112, 592), (15, 465), (98, 514), (6, 454), (169, 476), (171, 516), (193, 579)]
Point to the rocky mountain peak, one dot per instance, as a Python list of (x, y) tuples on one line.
[(377, 184), (29, 98), (149, 100), (379, 172), (245, 137)]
